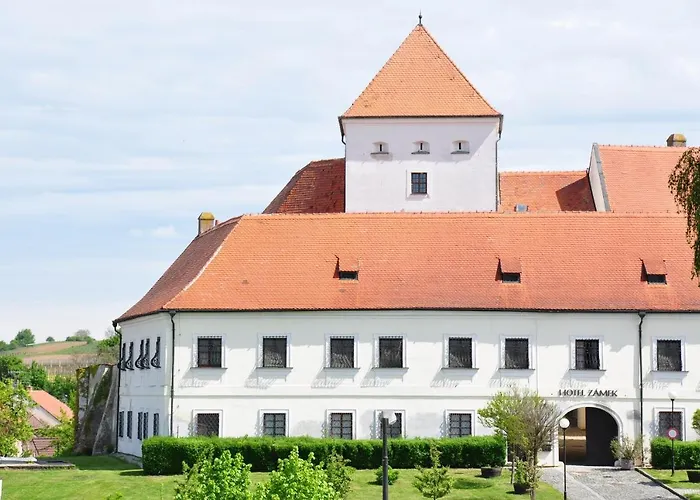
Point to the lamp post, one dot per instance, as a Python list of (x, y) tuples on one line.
[(564, 424), (388, 418), (672, 397)]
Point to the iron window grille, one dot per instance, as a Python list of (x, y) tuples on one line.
[(669, 356), (120, 423), (275, 424), (460, 353), (510, 277), (460, 424), (419, 183), (122, 357), (155, 361), (207, 424), (341, 425), (156, 424), (669, 419), (348, 275), (129, 423), (140, 358), (130, 360), (390, 353), (395, 429), (656, 279), (139, 426), (209, 352), (145, 362), (587, 354), (145, 425), (517, 354), (274, 352), (342, 353)]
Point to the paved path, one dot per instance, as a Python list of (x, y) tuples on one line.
[(604, 483)]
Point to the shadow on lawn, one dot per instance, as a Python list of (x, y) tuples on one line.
[(99, 463), (470, 484), (134, 472)]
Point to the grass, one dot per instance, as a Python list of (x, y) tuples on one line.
[(98, 477), (678, 481)]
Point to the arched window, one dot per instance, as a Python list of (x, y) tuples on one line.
[(460, 147), (421, 148), (380, 148)]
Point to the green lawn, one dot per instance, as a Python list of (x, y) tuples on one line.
[(97, 477), (678, 481)]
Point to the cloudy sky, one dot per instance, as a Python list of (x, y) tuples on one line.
[(120, 121)]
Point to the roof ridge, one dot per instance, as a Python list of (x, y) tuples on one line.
[(540, 172), (467, 215), (643, 146)]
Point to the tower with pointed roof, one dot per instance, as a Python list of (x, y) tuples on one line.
[(420, 137)]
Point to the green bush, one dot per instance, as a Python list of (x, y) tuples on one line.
[(687, 454), (391, 474), (339, 474), (223, 478), (296, 478), (165, 455)]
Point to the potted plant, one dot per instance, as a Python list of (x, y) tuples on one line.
[(520, 483), (627, 451), (493, 470), (693, 476)]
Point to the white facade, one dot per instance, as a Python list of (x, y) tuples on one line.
[(458, 155), (424, 391)]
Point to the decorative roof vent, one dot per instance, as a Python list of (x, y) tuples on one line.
[(521, 207), (676, 141), (509, 269), (654, 271), (206, 222)]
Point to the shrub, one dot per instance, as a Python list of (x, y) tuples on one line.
[(165, 455), (297, 478), (626, 448), (339, 474), (520, 476), (223, 478), (696, 421), (687, 454), (392, 475), (434, 482)]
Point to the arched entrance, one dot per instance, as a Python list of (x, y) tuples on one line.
[(588, 437)]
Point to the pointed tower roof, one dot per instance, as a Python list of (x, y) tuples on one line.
[(419, 80)]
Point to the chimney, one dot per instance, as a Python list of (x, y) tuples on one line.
[(206, 222), (676, 141)]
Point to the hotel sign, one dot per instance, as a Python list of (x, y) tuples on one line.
[(588, 393)]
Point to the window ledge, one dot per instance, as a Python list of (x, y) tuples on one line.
[(421, 153), (588, 370), (460, 152), (671, 372), (456, 369), (209, 367), (517, 370), (391, 369), (274, 368), (340, 368), (379, 153), (418, 195)]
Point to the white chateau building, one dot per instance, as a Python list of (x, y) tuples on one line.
[(412, 276)]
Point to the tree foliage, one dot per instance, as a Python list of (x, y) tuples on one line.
[(224, 478), (81, 336), (50, 339), (108, 348), (684, 183), (14, 417), (433, 482), (62, 434), (296, 478), (339, 474), (12, 368)]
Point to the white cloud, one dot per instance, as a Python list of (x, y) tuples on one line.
[(164, 232)]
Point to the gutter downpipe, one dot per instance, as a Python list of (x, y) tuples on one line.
[(172, 370), (119, 381), (641, 314)]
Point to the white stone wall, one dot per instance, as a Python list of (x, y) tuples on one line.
[(594, 179), (456, 182)]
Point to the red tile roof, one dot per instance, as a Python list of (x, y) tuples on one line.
[(636, 177), (319, 187), (419, 80), (579, 261), (546, 191), (49, 403)]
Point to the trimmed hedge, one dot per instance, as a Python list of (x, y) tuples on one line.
[(165, 455), (687, 454)]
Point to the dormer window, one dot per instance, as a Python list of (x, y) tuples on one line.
[(380, 148), (348, 275), (654, 271), (460, 147), (421, 148), (347, 267), (509, 270)]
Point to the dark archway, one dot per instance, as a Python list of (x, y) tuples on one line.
[(588, 438)]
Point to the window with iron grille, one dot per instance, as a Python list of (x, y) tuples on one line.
[(342, 353), (209, 352), (395, 429), (145, 425), (120, 424), (419, 183), (275, 424), (156, 424), (138, 361), (656, 279), (139, 426), (669, 419), (207, 424), (390, 353), (517, 354), (155, 362), (122, 357), (510, 277), (341, 425), (460, 353), (587, 354), (274, 353), (348, 275), (146, 362), (460, 424), (669, 356), (129, 422), (130, 360)]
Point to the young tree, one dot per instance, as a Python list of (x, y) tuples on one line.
[(24, 337), (540, 423), (14, 417), (224, 478), (434, 482), (684, 183), (50, 339), (296, 478)]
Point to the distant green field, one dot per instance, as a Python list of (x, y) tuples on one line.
[(53, 348)]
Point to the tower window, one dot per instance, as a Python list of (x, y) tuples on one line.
[(419, 183), (421, 148), (380, 148), (460, 147)]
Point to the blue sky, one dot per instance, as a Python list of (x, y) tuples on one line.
[(120, 121)]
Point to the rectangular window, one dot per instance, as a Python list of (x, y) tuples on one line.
[(129, 422), (390, 353), (139, 426), (587, 354), (274, 352), (517, 354), (419, 183), (668, 420), (348, 275), (209, 352), (145, 425), (156, 424), (460, 424), (341, 425), (669, 356), (342, 353), (207, 424), (120, 424), (460, 353), (395, 429), (275, 424)]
